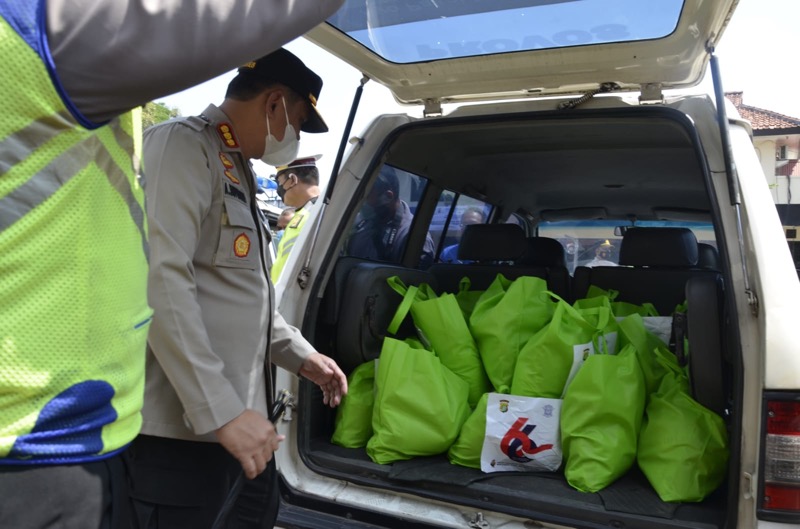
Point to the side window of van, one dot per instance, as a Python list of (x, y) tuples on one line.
[(453, 214), (381, 228)]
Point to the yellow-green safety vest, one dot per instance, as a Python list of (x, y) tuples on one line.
[(73, 263), (286, 244)]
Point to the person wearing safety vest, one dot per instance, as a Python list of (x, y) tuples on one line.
[(74, 249), (298, 187)]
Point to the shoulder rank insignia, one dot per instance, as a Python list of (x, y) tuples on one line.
[(225, 131), (295, 222)]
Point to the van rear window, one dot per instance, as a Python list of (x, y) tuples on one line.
[(597, 242), (409, 31)]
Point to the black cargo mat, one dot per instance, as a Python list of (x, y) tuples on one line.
[(434, 470), (630, 495), (439, 470)]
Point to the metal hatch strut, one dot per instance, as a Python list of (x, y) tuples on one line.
[(732, 175), (305, 272)]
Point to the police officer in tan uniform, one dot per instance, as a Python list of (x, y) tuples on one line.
[(215, 329)]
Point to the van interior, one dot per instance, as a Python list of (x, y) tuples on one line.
[(638, 171)]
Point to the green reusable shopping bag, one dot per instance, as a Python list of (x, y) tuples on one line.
[(655, 359), (506, 316), (619, 308), (554, 354), (600, 419), (467, 298), (683, 446), (353, 426), (420, 405), (623, 308), (440, 320), (593, 303), (466, 451)]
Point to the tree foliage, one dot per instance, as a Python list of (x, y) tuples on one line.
[(153, 113)]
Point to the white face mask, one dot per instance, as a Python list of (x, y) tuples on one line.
[(281, 152)]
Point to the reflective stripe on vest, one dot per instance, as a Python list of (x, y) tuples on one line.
[(35, 191), (73, 258)]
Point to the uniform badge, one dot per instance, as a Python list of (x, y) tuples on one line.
[(241, 245), (225, 131), (226, 162), (229, 176)]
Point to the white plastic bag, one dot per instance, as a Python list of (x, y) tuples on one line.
[(522, 434)]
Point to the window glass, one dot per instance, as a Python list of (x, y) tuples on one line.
[(452, 214), (381, 228), (409, 31), (596, 243)]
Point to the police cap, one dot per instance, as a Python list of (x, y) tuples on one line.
[(284, 67)]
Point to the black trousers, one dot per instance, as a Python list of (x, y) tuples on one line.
[(84, 496), (182, 484)]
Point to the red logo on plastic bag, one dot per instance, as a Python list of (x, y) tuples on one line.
[(516, 443)]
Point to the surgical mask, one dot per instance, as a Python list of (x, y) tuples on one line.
[(281, 152), (282, 190)]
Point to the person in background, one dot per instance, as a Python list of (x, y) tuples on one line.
[(73, 233), (215, 329), (472, 215), (602, 254), (298, 186), (280, 226), (383, 224)]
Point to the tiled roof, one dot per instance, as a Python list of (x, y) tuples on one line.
[(791, 168), (762, 120)]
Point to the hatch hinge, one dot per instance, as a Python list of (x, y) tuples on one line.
[(602, 89), (752, 300), (433, 108), (478, 522), (651, 93)]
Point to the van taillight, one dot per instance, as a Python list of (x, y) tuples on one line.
[(781, 469)]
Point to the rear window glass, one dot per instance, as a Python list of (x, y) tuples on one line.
[(409, 31), (597, 243)]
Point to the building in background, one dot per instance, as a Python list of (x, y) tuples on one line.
[(776, 138)]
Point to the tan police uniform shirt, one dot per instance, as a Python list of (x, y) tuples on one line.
[(214, 304)]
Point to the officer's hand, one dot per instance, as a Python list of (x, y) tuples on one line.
[(251, 439), (323, 371)]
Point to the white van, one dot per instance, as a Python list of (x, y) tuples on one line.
[(552, 121)]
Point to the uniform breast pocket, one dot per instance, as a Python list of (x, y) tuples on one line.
[(238, 238)]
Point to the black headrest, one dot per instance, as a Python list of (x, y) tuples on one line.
[(708, 256), (669, 247), (543, 251), (491, 242)]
